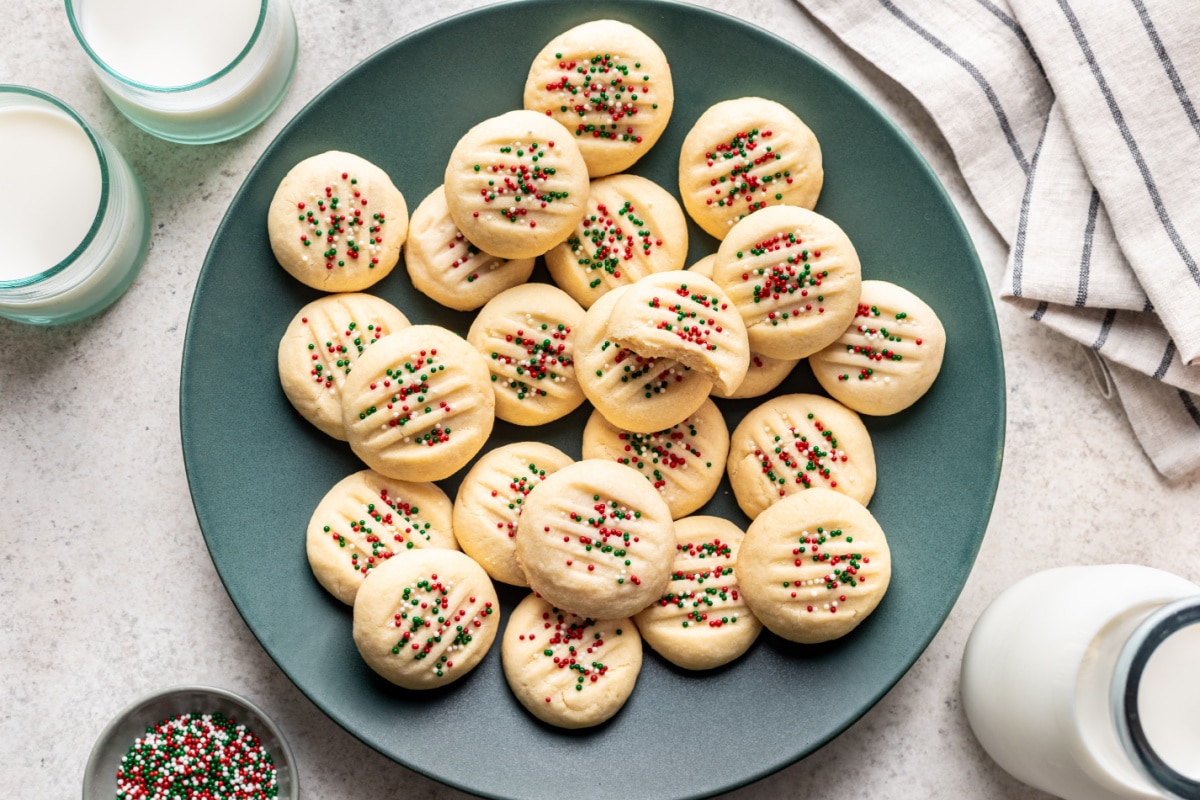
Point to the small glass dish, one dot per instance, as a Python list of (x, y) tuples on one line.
[(100, 776)]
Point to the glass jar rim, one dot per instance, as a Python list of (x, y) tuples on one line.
[(102, 207), (77, 29), (1126, 682)]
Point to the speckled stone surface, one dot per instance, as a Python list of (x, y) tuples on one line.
[(108, 591)]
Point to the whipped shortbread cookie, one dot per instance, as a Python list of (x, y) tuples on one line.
[(702, 621), (632, 391), (595, 538), (426, 619), (526, 336), (446, 267), (796, 442), (490, 500), (684, 316), (704, 266), (609, 84), (764, 373), (516, 184), (889, 356), (744, 155), (814, 566), (567, 670), (337, 222), (795, 278), (365, 519), (419, 404), (320, 347), (684, 463), (632, 228)]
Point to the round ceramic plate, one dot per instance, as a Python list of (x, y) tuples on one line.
[(257, 470)]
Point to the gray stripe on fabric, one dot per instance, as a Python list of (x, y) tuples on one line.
[(1168, 66), (1165, 364), (1085, 260), (1105, 328), (972, 70), (1040, 311), (1119, 118), (1017, 30), (1189, 405), (1023, 217)]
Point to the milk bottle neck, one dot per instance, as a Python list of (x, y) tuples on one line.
[(1159, 648)]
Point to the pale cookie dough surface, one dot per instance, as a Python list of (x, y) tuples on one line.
[(567, 670), (443, 265), (526, 336), (337, 222), (889, 356), (320, 347), (609, 84), (762, 376), (764, 373), (366, 519), (419, 405), (490, 500), (426, 619), (702, 621), (596, 539), (795, 442), (516, 184), (684, 463), (814, 566), (704, 266), (632, 391), (744, 155), (795, 277), (686, 317), (632, 228)]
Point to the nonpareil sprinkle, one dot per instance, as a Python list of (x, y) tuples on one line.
[(193, 756)]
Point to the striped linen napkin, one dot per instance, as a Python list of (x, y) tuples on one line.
[(1073, 124)]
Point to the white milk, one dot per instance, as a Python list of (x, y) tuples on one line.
[(67, 205), (1169, 700), (185, 70), (50, 176), (1037, 675), (168, 42)]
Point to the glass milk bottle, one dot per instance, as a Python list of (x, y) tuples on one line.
[(1085, 682)]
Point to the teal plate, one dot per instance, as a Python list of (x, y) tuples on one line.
[(257, 470)]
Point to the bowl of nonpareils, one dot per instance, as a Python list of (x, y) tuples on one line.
[(191, 742)]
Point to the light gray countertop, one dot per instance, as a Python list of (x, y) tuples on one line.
[(108, 590)]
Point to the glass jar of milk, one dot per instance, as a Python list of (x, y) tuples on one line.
[(1085, 682)]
